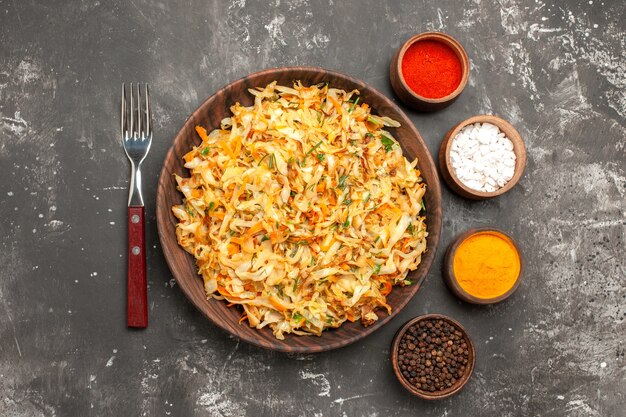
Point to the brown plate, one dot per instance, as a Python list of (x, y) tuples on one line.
[(460, 383), (182, 264)]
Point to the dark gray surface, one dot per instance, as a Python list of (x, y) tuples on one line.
[(555, 70)]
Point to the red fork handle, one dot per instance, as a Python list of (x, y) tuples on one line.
[(137, 286)]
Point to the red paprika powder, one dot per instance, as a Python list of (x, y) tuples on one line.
[(431, 69)]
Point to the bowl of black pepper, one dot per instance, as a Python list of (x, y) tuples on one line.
[(432, 356)]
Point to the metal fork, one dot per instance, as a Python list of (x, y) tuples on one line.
[(136, 137)]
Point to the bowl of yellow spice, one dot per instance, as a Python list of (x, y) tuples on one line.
[(483, 266)]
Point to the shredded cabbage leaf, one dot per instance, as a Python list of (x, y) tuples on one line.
[(302, 210)]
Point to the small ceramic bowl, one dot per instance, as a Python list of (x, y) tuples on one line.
[(408, 96), (451, 280), (460, 382), (447, 172)]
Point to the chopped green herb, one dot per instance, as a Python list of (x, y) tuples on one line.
[(341, 184), (295, 284), (310, 151), (410, 228), (376, 269), (387, 142), (367, 198), (353, 105), (232, 232), (407, 282), (423, 206), (297, 317), (205, 151), (329, 319), (347, 201), (312, 261), (320, 118), (377, 239), (264, 238), (211, 205), (347, 222), (368, 134), (290, 160), (271, 164), (372, 120), (320, 157), (262, 159), (190, 211)]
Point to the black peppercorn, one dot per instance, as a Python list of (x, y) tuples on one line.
[(433, 355)]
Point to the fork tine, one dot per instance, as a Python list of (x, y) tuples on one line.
[(148, 113), (131, 129), (140, 134), (123, 115)]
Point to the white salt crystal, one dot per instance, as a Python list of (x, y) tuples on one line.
[(508, 174), (483, 157)]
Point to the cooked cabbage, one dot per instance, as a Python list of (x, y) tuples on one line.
[(302, 210)]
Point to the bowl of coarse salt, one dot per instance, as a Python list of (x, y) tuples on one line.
[(482, 157)]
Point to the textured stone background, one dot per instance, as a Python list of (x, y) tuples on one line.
[(555, 69)]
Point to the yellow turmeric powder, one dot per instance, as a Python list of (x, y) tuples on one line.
[(486, 264)]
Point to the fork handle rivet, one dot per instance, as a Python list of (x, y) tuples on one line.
[(136, 250), (134, 218)]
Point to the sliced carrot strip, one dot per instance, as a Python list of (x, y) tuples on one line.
[(233, 248), (335, 104), (189, 156), (277, 303), (386, 288), (236, 240), (258, 227), (202, 133)]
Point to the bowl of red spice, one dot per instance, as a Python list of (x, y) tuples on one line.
[(429, 71), (432, 356)]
